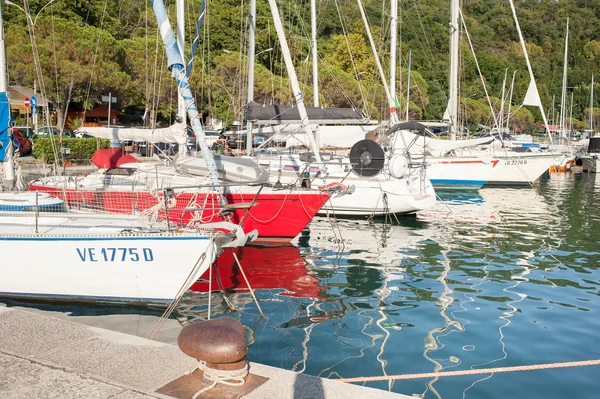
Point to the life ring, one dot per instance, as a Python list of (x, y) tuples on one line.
[(335, 186)]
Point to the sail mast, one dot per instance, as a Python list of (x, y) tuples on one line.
[(453, 90), (563, 101), (181, 44), (392, 105), (285, 50), (532, 97), (500, 121), (592, 107), (9, 167), (315, 61), (393, 39), (408, 83), (176, 66), (251, 61), (512, 86)]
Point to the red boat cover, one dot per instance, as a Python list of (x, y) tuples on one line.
[(112, 158)]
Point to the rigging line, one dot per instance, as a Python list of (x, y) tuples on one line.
[(146, 66), (239, 113), (476, 61), (190, 64), (354, 67), (154, 104), (95, 57), (38, 69), (428, 47), (337, 82)]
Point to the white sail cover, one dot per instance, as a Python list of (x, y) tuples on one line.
[(175, 133), (332, 136), (435, 147)]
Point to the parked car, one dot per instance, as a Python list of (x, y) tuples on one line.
[(45, 131), (258, 140), (25, 143), (25, 129)]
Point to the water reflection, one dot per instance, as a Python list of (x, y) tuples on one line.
[(482, 280)]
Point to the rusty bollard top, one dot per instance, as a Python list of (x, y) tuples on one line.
[(216, 341)]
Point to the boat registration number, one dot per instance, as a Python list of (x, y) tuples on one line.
[(516, 162), (115, 254)]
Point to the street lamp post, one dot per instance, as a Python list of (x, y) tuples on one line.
[(32, 21)]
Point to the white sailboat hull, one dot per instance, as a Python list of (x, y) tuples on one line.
[(378, 195), (97, 261), (459, 173), (521, 168)]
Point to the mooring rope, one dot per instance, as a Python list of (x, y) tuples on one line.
[(233, 378), (476, 371)]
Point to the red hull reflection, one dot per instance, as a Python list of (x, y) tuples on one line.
[(265, 268)]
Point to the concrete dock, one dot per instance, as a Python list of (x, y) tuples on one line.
[(43, 356)]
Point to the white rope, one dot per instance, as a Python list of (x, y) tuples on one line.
[(233, 378)]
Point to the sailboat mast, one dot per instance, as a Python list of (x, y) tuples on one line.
[(453, 90), (289, 65), (315, 60), (592, 107), (563, 101), (176, 66), (9, 167), (408, 83), (393, 38), (532, 85), (251, 61), (392, 105), (500, 121), (180, 4), (512, 87)]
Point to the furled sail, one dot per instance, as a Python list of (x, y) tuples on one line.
[(175, 133)]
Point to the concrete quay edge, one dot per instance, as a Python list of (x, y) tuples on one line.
[(43, 356)]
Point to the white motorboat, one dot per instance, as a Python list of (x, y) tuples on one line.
[(591, 160)]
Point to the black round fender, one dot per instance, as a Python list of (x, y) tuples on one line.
[(367, 158)]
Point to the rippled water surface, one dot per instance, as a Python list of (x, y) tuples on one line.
[(505, 277)]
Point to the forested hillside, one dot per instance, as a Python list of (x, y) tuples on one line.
[(90, 48)]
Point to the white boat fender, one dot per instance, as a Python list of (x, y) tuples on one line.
[(398, 166)]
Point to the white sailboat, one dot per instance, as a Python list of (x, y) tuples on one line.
[(233, 187), (379, 182), (446, 169), (49, 253), (510, 167)]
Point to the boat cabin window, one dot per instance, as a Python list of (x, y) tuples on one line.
[(120, 171)]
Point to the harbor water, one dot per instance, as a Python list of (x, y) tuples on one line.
[(498, 278)]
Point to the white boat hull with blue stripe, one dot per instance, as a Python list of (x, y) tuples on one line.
[(459, 173), (105, 258), (124, 268)]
